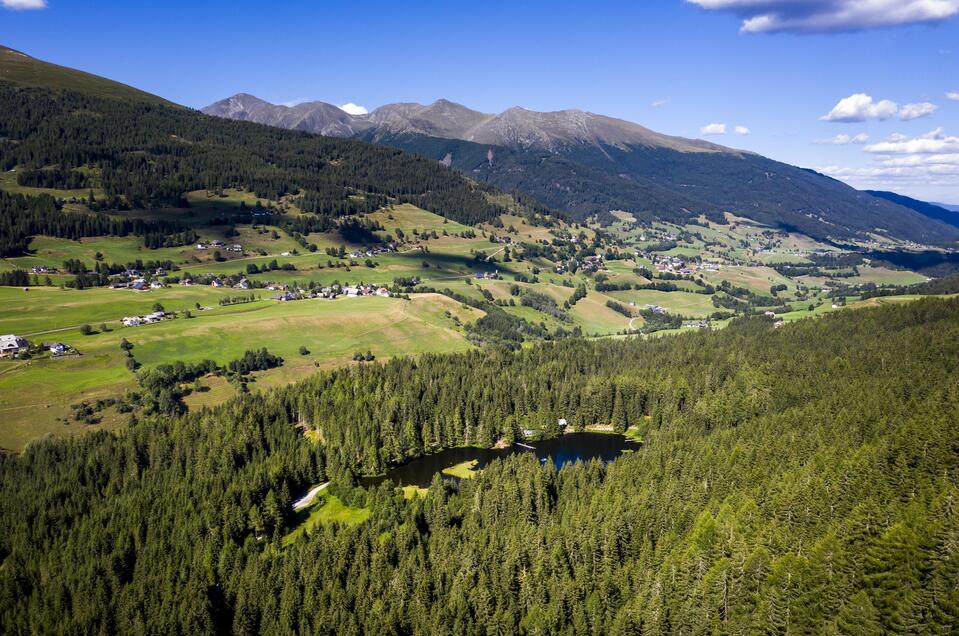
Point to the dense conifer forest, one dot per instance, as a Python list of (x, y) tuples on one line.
[(791, 481)]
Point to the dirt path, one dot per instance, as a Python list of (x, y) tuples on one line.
[(309, 497)]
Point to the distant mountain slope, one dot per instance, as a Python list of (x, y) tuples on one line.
[(591, 164), (22, 70), (315, 117), (931, 210), (949, 206)]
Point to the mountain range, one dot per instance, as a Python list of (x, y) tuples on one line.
[(578, 162), (589, 164)]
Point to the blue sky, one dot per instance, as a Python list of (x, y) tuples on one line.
[(775, 67)]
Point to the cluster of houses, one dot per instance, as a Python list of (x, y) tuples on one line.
[(140, 281), (697, 324), (12, 346), (593, 264), (504, 239), (487, 276), (589, 264), (136, 321), (674, 265), (220, 245), (333, 291), (373, 251), (656, 309), (43, 269)]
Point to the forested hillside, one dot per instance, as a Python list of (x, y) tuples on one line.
[(147, 155), (793, 480)]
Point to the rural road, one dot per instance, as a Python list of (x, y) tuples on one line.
[(307, 499)]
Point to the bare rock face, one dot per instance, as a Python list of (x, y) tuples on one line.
[(315, 117), (516, 127)]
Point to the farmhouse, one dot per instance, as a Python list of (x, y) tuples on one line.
[(12, 345), (56, 348)]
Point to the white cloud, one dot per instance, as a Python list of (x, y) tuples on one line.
[(817, 16), (844, 140), (954, 96), (713, 129), (915, 111), (861, 107), (354, 109), (933, 142), (742, 130), (23, 5), (295, 102), (923, 160), (924, 163), (660, 102)]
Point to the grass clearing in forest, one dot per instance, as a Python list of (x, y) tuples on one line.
[(463, 470), (327, 509)]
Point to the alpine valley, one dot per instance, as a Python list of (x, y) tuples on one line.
[(286, 370)]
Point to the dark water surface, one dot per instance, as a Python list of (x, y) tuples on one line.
[(561, 450)]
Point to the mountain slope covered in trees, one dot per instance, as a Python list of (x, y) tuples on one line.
[(931, 210), (62, 131), (794, 480)]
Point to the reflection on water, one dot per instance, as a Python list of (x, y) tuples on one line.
[(562, 450)]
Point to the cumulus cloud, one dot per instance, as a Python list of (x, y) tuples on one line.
[(844, 140), (921, 162), (742, 130), (354, 109), (23, 5), (915, 111), (295, 102), (933, 142), (861, 107), (713, 129), (954, 96), (947, 159), (818, 16), (918, 175)]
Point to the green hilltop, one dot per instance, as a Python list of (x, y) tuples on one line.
[(23, 70)]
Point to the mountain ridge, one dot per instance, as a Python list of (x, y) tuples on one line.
[(515, 127), (589, 164)]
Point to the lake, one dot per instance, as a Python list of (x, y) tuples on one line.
[(561, 450)]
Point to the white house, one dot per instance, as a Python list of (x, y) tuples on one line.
[(57, 348), (11, 345)]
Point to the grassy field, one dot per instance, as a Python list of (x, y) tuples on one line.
[(463, 470), (36, 395), (756, 278), (327, 509), (42, 311), (8, 183), (677, 302)]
